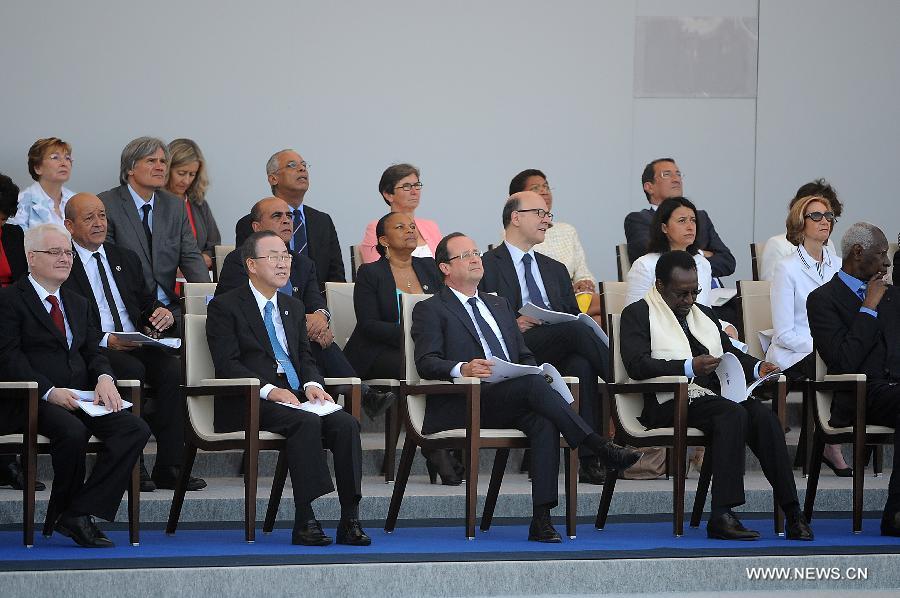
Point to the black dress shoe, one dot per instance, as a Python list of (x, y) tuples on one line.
[(590, 472), (797, 528), (841, 472), (890, 524), (147, 484), (13, 475), (613, 456), (375, 402), (83, 530), (728, 527), (167, 477), (542, 530), (350, 532), (309, 534)]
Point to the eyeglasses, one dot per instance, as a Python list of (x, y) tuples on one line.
[(539, 188), (409, 186), (682, 295), (541, 212), (280, 258), (465, 255), (817, 216), (56, 252), (667, 174), (294, 165)]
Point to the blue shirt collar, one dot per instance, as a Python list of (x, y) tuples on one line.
[(517, 254), (851, 281), (139, 201)]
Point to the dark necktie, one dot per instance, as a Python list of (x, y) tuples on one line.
[(56, 314), (534, 291), (487, 332), (107, 292), (861, 292), (146, 221), (300, 242)]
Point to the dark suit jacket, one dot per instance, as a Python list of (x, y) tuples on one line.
[(14, 249), (33, 348), (445, 335), (303, 279), (377, 310), (637, 234), (240, 347), (851, 342), (174, 245), (139, 300), (500, 277), (208, 235), (635, 327), (321, 236)]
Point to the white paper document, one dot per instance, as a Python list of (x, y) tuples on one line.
[(733, 384), (721, 296), (505, 370), (143, 339), (319, 409), (555, 317), (86, 403)]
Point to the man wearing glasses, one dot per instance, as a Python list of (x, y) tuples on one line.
[(661, 180), (49, 335), (256, 332), (314, 234), (516, 272)]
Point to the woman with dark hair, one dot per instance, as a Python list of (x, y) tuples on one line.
[(401, 190), (50, 165), (188, 181), (375, 348), (12, 252)]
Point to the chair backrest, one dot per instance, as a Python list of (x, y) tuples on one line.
[(355, 261), (622, 262), (198, 289), (892, 249), (628, 406), (756, 255), (407, 302), (823, 398), (198, 365), (220, 252), (756, 312), (614, 295), (194, 305), (339, 296)]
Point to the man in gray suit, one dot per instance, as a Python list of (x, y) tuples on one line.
[(151, 222)]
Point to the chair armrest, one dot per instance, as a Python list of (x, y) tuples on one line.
[(657, 384), (844, 378), (339, 381), (221, 386), (665, 380), (390, 382), (571, 380), (128, 383), (18, 385), (225, 382), (355, 399), (464, 380)]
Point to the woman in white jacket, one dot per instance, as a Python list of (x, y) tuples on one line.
[(809, 224)]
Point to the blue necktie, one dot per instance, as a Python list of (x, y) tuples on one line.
[(533, 291), (861, 292), (300, 243), (487, 332), (280, 354)]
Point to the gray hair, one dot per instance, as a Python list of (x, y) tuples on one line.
[(34, 236), (138, 149), (863, 234), (272, 164)]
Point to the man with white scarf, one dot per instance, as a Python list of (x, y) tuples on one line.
[(669, 334)]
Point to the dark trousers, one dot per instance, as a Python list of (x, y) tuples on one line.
[(529, 404), (883, 409), (574, 350), (123, 436), (162, 371), (732, 425), (331, 361), (307, 434)]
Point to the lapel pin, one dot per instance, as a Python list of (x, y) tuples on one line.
[(424, 287), (285, 312), (118, 268)]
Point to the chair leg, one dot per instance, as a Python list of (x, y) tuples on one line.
[(609, 487), (30, 459), (406, 460), (190, 453), (277, 491), (678, 493), (134, 505), (471, 456), (500, 460), (571, 466), (859, 476), (877, 459), (251, 479), (392, 427), (702, 489), (812, 481)]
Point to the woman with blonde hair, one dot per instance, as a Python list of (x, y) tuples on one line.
[(188, 181), (50, 165)]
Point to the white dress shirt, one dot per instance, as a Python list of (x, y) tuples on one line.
[(261, 301), (517, 255), (642, 277), (456, 372), (107, 324), (775, 249)]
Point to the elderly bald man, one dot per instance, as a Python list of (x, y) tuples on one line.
[(111, 278)]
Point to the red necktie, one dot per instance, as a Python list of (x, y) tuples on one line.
[(56, 314)]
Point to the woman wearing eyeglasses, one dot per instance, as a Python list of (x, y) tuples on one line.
[(809, 224), (401, 190), (50, 165)]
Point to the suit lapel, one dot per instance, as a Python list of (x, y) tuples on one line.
[(131, 214), (508, 277), (553, 293), (31, 299), (251, 312), (77, 328), (493, 307), (453, 304)]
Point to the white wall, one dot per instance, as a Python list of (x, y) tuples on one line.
[(471, 92)]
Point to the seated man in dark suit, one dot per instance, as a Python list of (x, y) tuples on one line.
[(275, 215), (457, 332), (516, 272), (48, 335), (110, 278), (667, 334), (661, 180), (314, 234), (256, 332), (855, 320)]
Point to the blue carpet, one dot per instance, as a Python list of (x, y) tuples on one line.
[(225, 547)]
